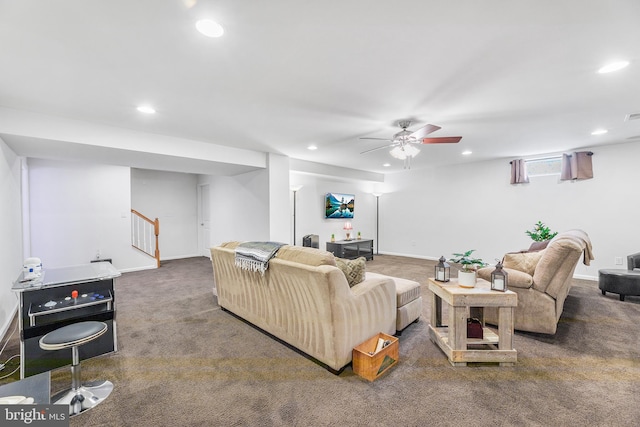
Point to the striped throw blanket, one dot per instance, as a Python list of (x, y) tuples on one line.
[(255, 256)]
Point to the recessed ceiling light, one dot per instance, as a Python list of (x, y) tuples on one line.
[(599, 132), (146, 109), (209, 28), (386, 165), (312, 147), (466, 153), (614, 66)]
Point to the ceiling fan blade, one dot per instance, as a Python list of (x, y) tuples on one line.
[(376, 149), (424, 131), (442, 140), (378, 139)]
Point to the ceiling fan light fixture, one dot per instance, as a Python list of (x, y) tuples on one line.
[(411, 150), (403, 152), (398, 153)]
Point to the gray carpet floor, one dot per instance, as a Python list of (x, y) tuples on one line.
[(184, 362)]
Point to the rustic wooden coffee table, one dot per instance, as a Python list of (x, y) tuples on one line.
[(463, 303)]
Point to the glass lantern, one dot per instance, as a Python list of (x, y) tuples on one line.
[(499, 278), (443, 270)]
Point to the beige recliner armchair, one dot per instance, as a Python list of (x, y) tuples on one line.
[(542, 280)]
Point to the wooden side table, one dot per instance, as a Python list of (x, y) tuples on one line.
[(452, 339)]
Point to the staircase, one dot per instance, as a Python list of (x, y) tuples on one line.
[(144, 235)]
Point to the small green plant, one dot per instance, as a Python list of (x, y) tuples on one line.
[(541, 232), (467, 261)]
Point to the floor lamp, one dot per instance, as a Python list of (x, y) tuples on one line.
[(377, 218), (295, 189)]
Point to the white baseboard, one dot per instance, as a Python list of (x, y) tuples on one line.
[(408, 256), (181, 257), (584, 277)]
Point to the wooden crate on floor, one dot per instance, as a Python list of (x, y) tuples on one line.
[(371, 366)]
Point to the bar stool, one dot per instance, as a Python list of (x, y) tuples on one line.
[(80, 397)]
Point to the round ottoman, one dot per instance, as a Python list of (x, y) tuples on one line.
[(618, 281)]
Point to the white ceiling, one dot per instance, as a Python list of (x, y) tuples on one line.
[(513, 78)]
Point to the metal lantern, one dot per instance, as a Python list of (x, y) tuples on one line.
[(443, 270), (499, 278)]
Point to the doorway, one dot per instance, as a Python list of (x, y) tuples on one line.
[(204, 220)]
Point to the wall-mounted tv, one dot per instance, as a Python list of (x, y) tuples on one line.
[(338, 205)]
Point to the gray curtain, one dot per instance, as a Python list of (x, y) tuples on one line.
[(576, 166), (519, 172)]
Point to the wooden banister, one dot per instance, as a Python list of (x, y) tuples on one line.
[(137, 233)]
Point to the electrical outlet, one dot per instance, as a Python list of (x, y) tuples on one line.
[(618, 260)]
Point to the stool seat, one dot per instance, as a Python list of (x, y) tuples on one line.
[(74, 334), (80, 397)]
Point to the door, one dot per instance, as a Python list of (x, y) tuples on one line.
[(204, 220)]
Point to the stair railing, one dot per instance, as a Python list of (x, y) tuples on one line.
[(143, 231)]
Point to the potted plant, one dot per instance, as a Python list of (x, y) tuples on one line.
[(541, 232), (467, 276)]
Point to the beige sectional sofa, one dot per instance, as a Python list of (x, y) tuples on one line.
[(305, 300)]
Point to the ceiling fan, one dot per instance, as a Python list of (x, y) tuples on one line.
[(403, 143)]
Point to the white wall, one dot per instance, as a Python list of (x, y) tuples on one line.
[(11, 232), (78, 209), (239, 206), (172, 198), (279, 221), (450, 209)]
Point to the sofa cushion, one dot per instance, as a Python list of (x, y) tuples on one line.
[(522, 261), (353, 269), (406, 290), (306, 255), (516, 278)]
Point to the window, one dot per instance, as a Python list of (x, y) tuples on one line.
[(544, 167)]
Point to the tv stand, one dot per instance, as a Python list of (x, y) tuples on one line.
[(352, 249)]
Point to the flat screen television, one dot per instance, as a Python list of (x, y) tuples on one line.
[(339, 205)]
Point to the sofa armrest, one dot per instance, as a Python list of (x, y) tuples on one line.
[(360, 312), (369, 284), (516, 279)]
